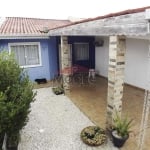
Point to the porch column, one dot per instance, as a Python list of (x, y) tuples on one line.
[(115, 77), (65, 62)]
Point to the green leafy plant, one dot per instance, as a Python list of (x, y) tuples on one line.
[(16, 94), (58, 90), (2, 98), (122, 125)]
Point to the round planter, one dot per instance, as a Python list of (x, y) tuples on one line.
[(117, 140), (58, 90), (93, 135)]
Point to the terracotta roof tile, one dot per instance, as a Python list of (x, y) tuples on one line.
[(33, 26), (24, 26)]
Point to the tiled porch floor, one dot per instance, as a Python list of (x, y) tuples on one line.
[(92, 100)]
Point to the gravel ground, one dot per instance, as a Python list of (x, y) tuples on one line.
[(55, 123)]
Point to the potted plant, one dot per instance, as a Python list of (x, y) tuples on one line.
[(12, 141), (121, 130), (1, 140), (58, 90), (16, 94)]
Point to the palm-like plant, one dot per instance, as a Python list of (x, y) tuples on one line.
[(122, 125)]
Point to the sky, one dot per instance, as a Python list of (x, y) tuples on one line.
[(62, 9)]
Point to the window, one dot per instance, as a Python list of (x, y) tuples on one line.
[(81, 51), (27, 54)]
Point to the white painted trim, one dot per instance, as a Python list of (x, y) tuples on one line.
[(149, 51), (23, 43), (28, 43), (24, 37)]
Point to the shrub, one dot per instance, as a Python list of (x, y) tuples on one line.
[(2, 98), (16, 94)]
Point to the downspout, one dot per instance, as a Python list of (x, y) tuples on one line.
[(146, 106), (148, 26), (147, 17)]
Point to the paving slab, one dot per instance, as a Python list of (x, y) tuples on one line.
[(55, 123)]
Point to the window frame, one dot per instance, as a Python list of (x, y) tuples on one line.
[(88, 50), (28, 43)]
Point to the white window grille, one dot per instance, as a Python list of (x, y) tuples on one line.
[(81, 51), (26, 54)]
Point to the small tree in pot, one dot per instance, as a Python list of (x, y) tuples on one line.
[(16, 94), (2, 133), (121, 130)]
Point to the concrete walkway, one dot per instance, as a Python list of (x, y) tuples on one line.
[(55, 123)]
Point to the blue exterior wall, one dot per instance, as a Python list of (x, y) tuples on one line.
[(53, 57), (48, 55)]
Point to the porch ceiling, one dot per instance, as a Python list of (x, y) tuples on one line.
[(131, 25)]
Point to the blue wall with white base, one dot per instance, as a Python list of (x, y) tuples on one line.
[(48, 56)]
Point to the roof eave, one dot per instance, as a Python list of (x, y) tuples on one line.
[(133, 24), (17, 36), (79, 27)]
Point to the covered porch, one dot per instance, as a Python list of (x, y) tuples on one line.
[(118, 27), (91, 100)]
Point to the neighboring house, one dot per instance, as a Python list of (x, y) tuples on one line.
[(38, 52), (117, 45)]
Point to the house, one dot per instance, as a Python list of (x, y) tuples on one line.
[(38, 52), (116, 45), (44, 60)]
